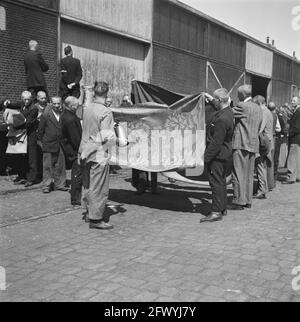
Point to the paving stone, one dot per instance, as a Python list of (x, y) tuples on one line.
[(157, 251)]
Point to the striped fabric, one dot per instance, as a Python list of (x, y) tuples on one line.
[(248, 117)]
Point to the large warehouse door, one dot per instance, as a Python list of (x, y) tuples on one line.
[(106, 57), (260, 86)]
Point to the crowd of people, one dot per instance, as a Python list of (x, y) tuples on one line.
[(248, 136)]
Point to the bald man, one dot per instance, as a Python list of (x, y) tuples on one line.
[(35, 67), (42, 104), (218, 153), (248, 116), (293, 163)]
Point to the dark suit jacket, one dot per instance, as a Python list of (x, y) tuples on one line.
[(71, 135), (294, 132), (71, 72), (249, 118), (219, 137), (35, 66), (49, 133)]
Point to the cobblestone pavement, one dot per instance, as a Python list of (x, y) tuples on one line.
[(158, 251)]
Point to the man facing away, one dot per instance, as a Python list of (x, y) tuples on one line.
[(248, 117), (218, 153), (71, 138), (50, 136), (35, 67), (293, 162), (264, 158), (98, 136), (71, 75)]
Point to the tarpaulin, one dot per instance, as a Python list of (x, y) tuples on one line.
[(165, 130)]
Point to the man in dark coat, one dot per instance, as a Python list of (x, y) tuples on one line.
[(30, 113), (3, 140), (71, 75), (293, 162), (50, 137), (35, 67), (71, 138), (218, 153)]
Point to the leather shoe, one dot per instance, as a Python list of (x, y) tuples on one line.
[(248, 206), (101, 226), (46, 190), (29, 184), (64, 189), (212, 218), (298, 181), (224, 213), (260, 196), (235, 207), (288, 182), (20, 182)]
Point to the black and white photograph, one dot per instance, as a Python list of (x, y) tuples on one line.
[(149, 154)]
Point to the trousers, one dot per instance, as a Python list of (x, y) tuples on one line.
[(54, 169), (95, 179), (261, 167), (293, 163), (217, 180), (243, 177)]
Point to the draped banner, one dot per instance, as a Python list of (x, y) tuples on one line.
[(165, 131)]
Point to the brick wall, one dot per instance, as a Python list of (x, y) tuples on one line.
[(24, 23)]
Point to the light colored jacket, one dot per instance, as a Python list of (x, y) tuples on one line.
[(267, 125), (248, 116), (98, 134)]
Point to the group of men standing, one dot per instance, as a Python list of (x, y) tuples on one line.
[(247, 136)]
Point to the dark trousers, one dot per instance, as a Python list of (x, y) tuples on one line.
[(32, 153), (76, 182), (3, 157), (138, 175), (54, 169), (217, 180), (278, 141)]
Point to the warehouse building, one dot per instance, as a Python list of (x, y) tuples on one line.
[(160, 41)]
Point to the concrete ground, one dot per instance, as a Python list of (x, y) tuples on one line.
[(158, 250)]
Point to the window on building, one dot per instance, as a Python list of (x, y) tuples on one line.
[(2, 18)]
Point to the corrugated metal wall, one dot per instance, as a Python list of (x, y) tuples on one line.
[(281, 92), (259, 60), (296, 73), (129, 16), (226, 47), (229, 78), (106, 57), (50, 4), (179, 28), (282, 68), (177, 71)]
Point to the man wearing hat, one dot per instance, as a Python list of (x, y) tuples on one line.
[(71, 75)]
